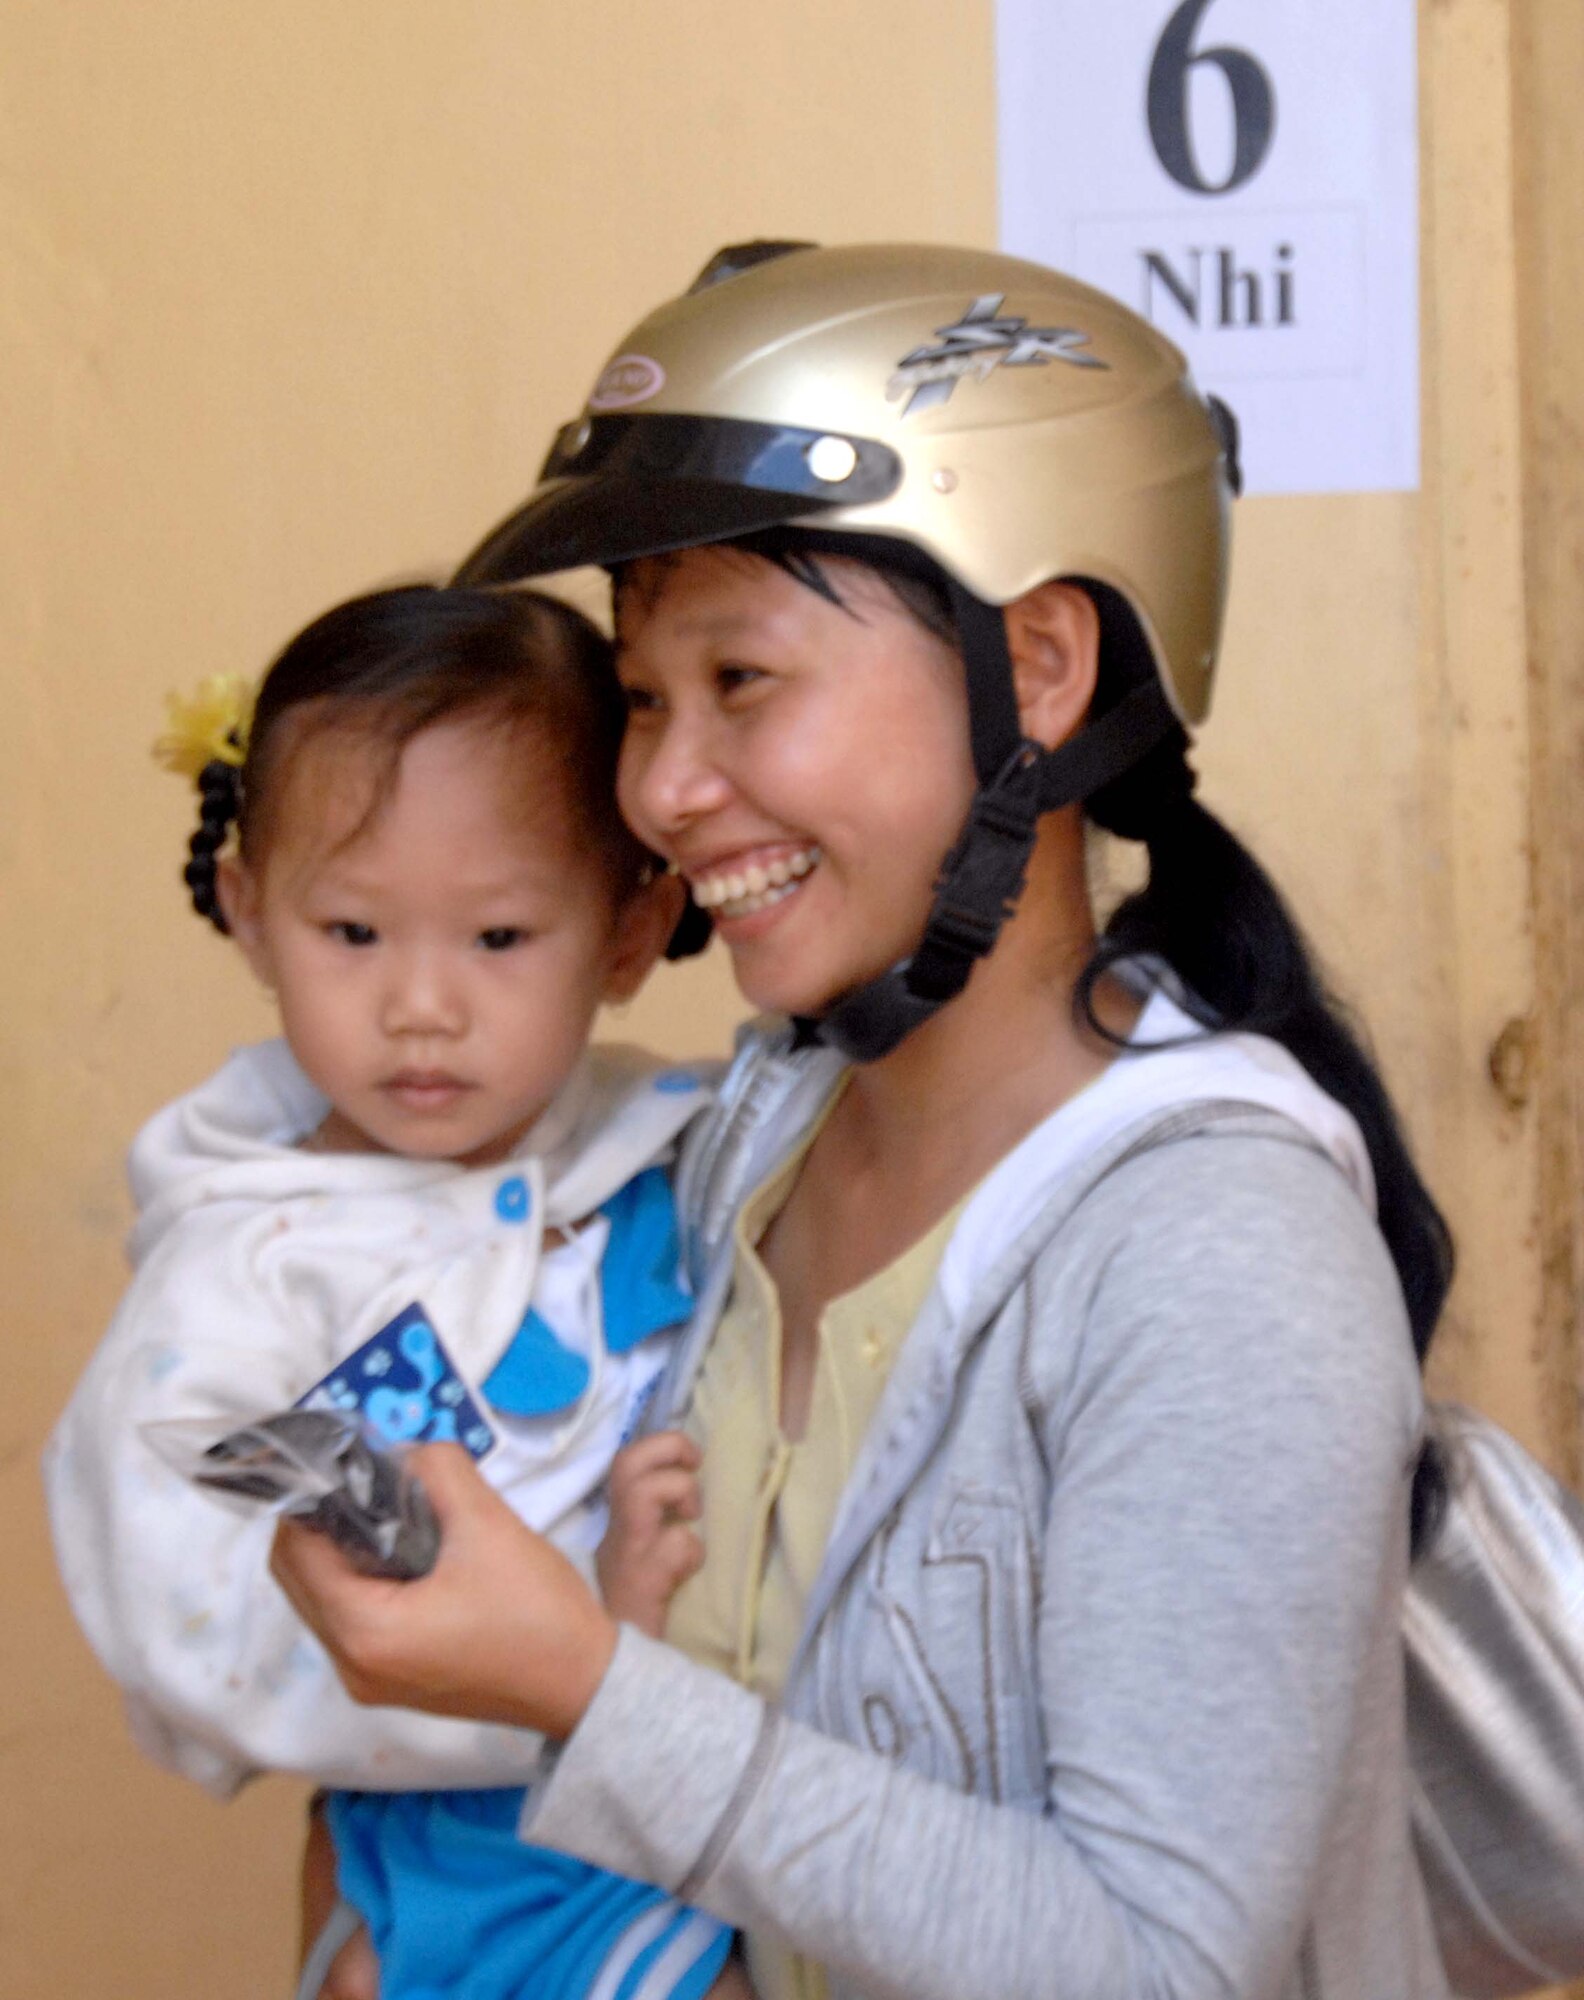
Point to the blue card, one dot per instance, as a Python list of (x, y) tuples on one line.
[(405, 1389)]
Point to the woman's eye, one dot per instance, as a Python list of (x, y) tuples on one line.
[(350, 933), (502, 937), (641, 701)]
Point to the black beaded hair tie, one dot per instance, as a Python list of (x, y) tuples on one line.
[(206, 743)]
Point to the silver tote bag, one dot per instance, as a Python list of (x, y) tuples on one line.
[(1494, 1624)]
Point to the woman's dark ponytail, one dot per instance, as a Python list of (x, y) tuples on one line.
[(1211, 913), (219, 802)]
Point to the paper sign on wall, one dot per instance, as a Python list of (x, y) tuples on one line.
[(1243, 173)]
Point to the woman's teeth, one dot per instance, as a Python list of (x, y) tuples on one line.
[(755, 887)]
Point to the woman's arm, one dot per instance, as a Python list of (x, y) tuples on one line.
[(1231, 1421), (1220, 1572)]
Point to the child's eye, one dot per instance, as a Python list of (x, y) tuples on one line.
[(502, 937), (731, 675), (641, 701), (350, 933)]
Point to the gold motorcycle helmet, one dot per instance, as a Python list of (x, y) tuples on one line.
[(969, 416)]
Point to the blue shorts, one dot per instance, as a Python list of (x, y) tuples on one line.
[(460, 1909)]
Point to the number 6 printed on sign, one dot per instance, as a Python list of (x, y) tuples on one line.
[(1169, 104)]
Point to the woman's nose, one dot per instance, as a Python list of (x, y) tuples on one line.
[(670, 775), (422, 996)]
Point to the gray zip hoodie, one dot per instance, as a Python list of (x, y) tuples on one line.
[(1100, 1693)]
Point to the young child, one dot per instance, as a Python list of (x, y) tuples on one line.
[(432, 1202)]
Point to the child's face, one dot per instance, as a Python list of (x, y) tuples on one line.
[(437, 973)]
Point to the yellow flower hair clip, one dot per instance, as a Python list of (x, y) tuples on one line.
[(209, 726)]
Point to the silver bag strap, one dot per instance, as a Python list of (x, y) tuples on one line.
[(1494, 1629)]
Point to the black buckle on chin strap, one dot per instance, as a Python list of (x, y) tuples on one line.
[(982, 877), (978, 886), (980, 880)]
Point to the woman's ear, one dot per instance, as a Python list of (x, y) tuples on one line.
[(643, 930), (236, 888), (1053, 636)]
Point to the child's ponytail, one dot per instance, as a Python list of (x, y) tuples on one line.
[(1212, 914), (219, 801), (205, 741)]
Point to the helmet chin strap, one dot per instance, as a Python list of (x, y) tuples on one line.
[(983, 875)]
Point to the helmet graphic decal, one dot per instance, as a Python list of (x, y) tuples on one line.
[(977, 344)]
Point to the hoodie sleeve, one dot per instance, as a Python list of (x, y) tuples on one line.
[(1221, 1376), (172, 1586)]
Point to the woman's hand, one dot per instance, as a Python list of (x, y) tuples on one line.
[(649, 1551), (503, 1629)]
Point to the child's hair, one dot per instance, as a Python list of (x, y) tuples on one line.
[(396, 662)]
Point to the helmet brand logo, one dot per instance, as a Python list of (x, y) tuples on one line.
[(630, 378), (978, 344)]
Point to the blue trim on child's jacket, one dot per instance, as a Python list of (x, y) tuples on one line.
[(640, 1294)]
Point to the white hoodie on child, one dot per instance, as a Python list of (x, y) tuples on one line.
[(259, 1269)]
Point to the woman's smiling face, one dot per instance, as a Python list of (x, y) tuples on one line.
[(805, 764)]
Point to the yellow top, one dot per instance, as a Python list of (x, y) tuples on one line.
[(768, 1500)]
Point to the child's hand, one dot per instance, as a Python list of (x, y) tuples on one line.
[(649, 1551)]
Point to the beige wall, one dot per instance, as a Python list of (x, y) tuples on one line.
[(290, 299)]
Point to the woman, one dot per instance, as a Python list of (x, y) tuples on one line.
[(1056, 1384)]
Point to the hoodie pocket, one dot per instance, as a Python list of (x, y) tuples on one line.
[(951, 1690), (979, 1569)]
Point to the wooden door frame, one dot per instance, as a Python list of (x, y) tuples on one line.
[(1548, 198)]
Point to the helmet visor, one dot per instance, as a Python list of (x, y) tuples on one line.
[(615, 488)]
